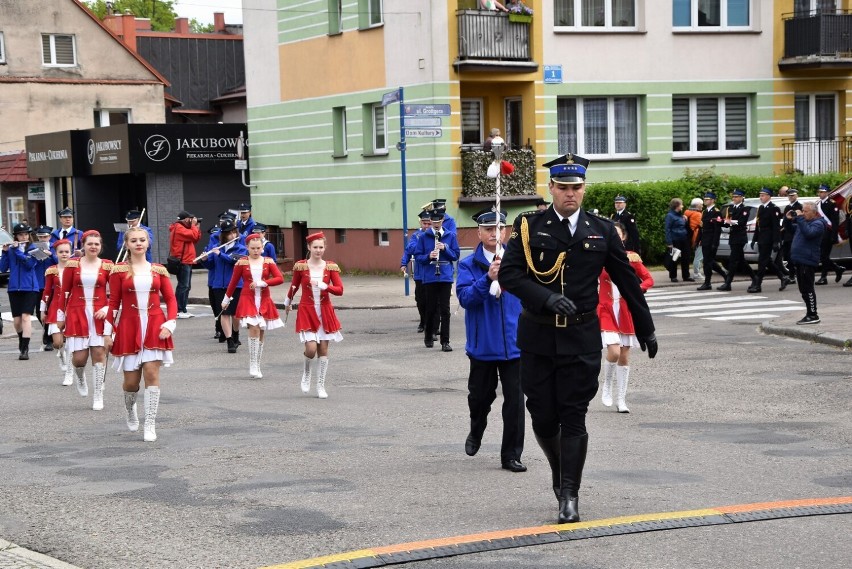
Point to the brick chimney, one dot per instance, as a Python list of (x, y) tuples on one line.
[(182, 25), (219, 22)]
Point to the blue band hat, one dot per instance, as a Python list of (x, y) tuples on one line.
[(226, 215), (488, 217), (824, 188), (710, 195), (243, 207), (65, 212), (21, 228), (738, 192), (568, 169), (227, 225), (793, 191), (133, 214), (423, 215), (43, 230), (436, 215), (766, 191), (620, 199), (258, 228)]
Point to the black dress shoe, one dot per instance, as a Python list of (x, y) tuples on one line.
[(429, 342), (688, 280), (725, 286), (420, 329), (674, 280), (784, 282), (514, 466), (838, 274), (705, 286), (446, 347), (754, 288), (48, 347), (434, 337), (848, 283), (569, 510), (822, 281), (471, 445)]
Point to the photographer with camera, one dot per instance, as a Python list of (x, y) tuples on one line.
[(805, 253), (183, 235)]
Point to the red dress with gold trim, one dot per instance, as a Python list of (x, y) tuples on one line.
[(606, 313), (52, 294), (246, 306), (128, 333), (306, 317), (73, 299)]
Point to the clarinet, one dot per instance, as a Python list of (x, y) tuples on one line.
[(438, 256)]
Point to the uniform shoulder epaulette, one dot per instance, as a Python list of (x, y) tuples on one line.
[(332, 266), (160, 270), (72, 264), (532, 212), (599, 216), (243, 261), (121, 268), (300, 266), (634, 257), (267, 260), (51, 270), (107, 264)]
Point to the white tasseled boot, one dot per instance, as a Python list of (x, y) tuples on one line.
[(63, 359), (323, 368), (259, 357), (82, 386), (98, 376), (253, 352), (306, 374), (621, 377), (67, 368), (130, 407), (609, 377), (152, 404)]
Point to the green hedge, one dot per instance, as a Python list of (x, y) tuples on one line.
[(476, 183), (649, 201)]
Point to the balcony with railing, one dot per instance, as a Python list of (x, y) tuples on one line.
[(817, 41), (490, 41), (818, 156)]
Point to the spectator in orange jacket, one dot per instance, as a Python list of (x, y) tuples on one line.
[(693, 224), (183, 235)]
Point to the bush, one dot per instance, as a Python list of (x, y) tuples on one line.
[(649, 201)]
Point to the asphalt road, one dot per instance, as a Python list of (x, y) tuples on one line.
[(250, 473)]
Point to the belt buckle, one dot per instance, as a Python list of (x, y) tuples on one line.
[(564, 323)]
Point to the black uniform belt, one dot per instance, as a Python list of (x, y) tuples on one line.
[(559, 321)]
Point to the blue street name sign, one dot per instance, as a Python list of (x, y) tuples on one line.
[(427, 110), (553, 74)]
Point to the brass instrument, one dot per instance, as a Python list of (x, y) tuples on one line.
[(437, 251)]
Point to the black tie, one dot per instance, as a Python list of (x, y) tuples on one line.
[(567, 225), (64, 233)]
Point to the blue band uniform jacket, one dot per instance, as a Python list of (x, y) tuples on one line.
[(594, 246)]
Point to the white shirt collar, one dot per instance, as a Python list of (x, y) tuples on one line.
[(572, 219)]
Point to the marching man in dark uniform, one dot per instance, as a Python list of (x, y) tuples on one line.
[(736, 217), (788, 229), (552, 263), (628, 220), (711, 230), (767, 235), (829, 212)]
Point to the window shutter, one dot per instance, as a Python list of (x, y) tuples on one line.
[(680, 125), (64, 46), (736, 127), (379, 127), (707, 119), (470, 122), (45, 50)]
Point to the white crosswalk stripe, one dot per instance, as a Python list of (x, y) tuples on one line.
[(717, 305)]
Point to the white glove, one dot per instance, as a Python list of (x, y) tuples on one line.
[(169, 325), (42, 306), (226, 301), (495, 290), (733, 222)]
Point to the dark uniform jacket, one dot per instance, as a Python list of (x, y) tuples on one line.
[(767, 228), (628, 220), (788, 227), (711, 226), (595, 245), (832, 215), (739, 232)]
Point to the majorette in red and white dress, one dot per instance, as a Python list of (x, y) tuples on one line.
[(84, 293), (616, 321), (317, 322), (256, 309)]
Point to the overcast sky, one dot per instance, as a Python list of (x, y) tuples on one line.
[(202, 10)]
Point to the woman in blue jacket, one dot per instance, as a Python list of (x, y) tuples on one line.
[(677, 237), (220, 263), (23, 284), (491, 325)]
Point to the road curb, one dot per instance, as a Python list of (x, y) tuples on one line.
[(807, 334), (18, 556)]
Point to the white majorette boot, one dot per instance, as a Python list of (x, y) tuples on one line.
[(259, 357), (63, 359), (130, 407), (609, 379), (306, 374), (68, 375), (621, 375), (323, 368), (254, 352), (98, 376), (82, 386), (152, 403)]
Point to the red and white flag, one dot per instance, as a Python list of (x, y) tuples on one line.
[(842, 197)]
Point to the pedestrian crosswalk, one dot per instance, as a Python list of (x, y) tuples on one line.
[(717, 305)]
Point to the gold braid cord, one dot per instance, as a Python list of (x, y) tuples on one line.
[(539, 275)]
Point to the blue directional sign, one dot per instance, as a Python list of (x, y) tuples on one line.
[(553, 74), (427, 110), (389, 98)]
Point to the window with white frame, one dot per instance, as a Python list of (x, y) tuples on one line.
[(383, 237), (709, 14), (471, 119), (598, 126), (597, 14), (375, 12), (2, 49), (338, 127), (814, 117), (14, 211), (380, 129), (110, 117), (58, 50), (710, 125)]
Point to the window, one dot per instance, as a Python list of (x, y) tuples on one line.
[(713, 125), (602, 14), (340, 236), (804, 8), (58, 50), (704, 14), (814, 117), (2, 49), (109, 117), (374, 12), (471, 118), (383, 237), (598, 126), (338, 126), (380, 133), (335, 17), (14, 211)]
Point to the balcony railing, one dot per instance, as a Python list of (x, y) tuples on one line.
[(818, 156), (489, 39), (818, 38)]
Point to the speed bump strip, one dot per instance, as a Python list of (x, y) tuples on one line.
[(523, 537)]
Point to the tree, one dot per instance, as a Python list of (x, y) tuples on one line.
[(161, 12), (197, 27)]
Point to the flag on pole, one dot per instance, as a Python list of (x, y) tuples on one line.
[(842, 197)]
